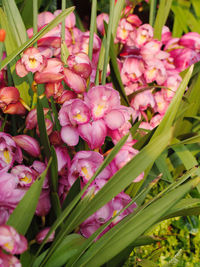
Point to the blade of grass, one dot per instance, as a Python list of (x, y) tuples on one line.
[(108, 38), (161, 18), (152, 13), (37, 36)]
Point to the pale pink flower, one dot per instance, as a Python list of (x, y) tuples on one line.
[(31, 61), (132, 70), (11, 241)]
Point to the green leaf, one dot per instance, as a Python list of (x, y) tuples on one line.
[(15, 21), (184, 126), (23, 214), (185, 207), (115, 75), (37, 36), (42, 129), (92, 27), (74, 190), (117, 15), (161, 18), (22, 84), (64, 251), (196, 6), (108, 39), (152, 12)]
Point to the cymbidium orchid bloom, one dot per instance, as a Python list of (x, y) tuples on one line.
[(132, 70), (191, 40), (101, 100), (143, 34), (94, 133), (124, 30), (9, 152), (25, 174), (143, 100), (173, 81), (85, 164), (155, 71), (45, 18), (126, 153), (161, 103), (10, 195), (74, 112), (31, 61), (51, 73), (8, 260), (11, 241), (80, 64), (183, 58)]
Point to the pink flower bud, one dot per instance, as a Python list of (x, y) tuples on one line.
[(49, 127), (9, 95), (44, 204), (134, 20), (66, 96), (28, 143), (8, 260), (42, 234), (53, 89), (55, 138), (80, 64), (31, 119), (15, 108), (74, 81)]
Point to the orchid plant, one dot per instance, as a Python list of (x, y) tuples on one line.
[(91, 120)]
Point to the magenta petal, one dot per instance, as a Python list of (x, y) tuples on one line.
[(74, 81), (28, 143), (114, 119), (93, 133), (20, 69), (70, 135)]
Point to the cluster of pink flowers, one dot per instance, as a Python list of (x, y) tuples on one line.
[(12, 243), (150, 71)]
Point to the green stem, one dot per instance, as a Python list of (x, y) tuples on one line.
[(35, 17), (152, 15), (106, 58), (63, 23)]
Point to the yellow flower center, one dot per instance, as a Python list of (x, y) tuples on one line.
[(7, 156), (26, 180), (86, 173)]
